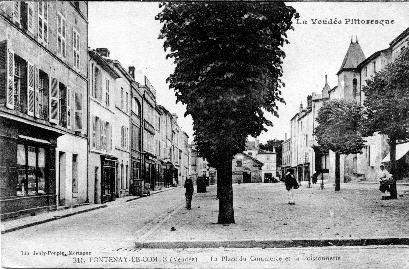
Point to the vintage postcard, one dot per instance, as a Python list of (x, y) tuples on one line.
[(210, 134)]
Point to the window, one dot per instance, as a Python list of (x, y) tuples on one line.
[(107, 92), (78, 111), (94, 132), (354, 87), (239, 163), (20, 93), (30, 170), (136, 108), (61, 34), (122, 98), (43, 22), (43, 95), (126, 101), (374, 66), (63, 104), (366, 71), (76, 48), (97, 90)]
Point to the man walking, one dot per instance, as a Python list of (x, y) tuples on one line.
[(189, 192), (290, 184)]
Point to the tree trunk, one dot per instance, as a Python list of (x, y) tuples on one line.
[(226, 212), (337, 172), (394, 172)]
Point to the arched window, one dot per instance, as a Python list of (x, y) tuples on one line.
[(354, 87), (136, 107)]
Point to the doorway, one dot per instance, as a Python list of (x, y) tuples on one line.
[(62, 174)]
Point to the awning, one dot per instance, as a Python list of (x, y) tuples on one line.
[(401, 150)]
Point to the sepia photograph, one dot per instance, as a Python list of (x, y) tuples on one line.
[(204, 134)]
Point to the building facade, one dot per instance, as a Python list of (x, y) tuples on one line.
[(352, 75), (102, 157), (43, 112)]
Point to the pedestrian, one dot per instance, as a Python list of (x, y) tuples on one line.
[(189, 192), (385, 180), (314, 177), (290, 184)]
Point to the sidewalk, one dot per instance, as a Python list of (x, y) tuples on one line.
[(354, 216), (43, 217)]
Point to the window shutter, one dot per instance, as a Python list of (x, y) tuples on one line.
[(30, 16), (78, 111), (54, 102), (16, 12), (110, 137), (10, 79), (30, 90), (37, 96), (69, 108)]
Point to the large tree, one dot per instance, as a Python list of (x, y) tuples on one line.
[(228, 61), (387, 106), (339, 125)]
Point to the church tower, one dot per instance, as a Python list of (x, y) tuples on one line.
[(348, 74)]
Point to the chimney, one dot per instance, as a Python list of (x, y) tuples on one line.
[(103, 52), (131, 71), (301, 108), (309, 101), (285, 136)]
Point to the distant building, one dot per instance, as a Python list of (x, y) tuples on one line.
[(246, 169)]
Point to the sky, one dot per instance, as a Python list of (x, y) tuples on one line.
[(129, 30)]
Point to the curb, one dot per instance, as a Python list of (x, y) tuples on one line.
[(273, 243), (56, 217)]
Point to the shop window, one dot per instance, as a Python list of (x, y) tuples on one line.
[(31, 170)]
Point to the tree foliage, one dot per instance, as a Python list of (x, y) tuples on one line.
[(387, 100), (228, 61), (339, 125)]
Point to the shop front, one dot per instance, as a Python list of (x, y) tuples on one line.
[(27, 164), (108, 164)]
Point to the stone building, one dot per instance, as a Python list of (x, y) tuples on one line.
[(43, 112), (121, 126), (352, 75), (136, 124), (102, 158), (246, 169)]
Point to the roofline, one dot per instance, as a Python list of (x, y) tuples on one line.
[(103, 63), (399, 37), (254, 159), (370, 58)]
